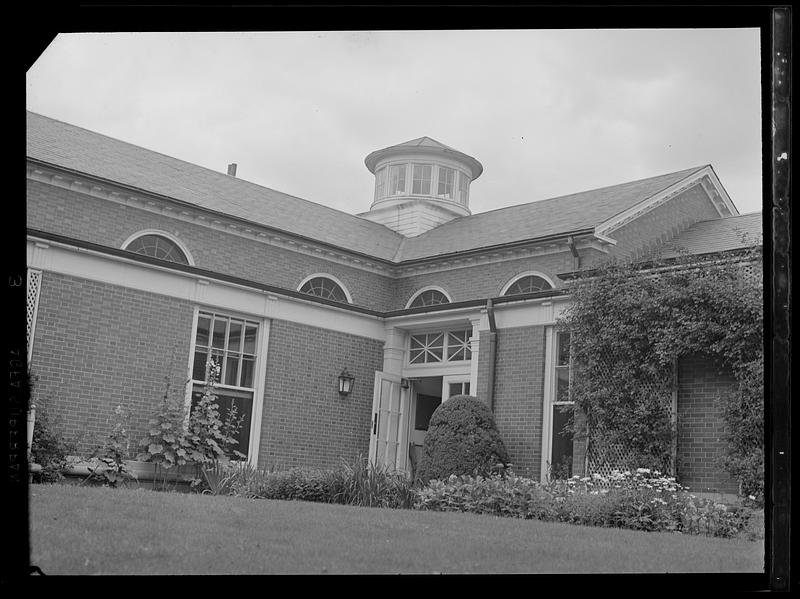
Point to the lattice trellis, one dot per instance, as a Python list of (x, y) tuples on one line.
[(602, 456), (34, 283)]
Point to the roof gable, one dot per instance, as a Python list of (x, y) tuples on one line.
[(717, 235)]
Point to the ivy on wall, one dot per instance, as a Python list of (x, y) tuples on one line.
[(630, 325)]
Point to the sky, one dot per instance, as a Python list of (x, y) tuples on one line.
[(547, 112)]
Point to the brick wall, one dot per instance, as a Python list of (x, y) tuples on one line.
[(518, 394), (305, 421), (700, 427), (482, 280), (662, 224), (97, 346), (107, 223)]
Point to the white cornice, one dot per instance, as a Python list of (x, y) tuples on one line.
[(704, 177), (53, 256)]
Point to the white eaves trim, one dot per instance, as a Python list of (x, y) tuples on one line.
[(704, 176), (88, 264)]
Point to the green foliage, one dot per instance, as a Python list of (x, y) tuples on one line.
[(204, 440), (462, 438), (359, 483), (50, 446), (630, 324), (638, 500), (111, 468), (166, 444)]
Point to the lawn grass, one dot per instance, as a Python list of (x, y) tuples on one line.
[(91, 530)]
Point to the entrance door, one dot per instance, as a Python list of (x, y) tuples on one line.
[(388, 443)]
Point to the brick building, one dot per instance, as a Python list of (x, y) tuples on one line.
[(142, 267)]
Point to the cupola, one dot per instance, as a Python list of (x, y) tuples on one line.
[(419, 185)]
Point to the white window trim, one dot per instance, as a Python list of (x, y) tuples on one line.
[(324, 275), (529, 273), (428, 288), (259, 374), (161, 233), (446, 366), (549, 399)]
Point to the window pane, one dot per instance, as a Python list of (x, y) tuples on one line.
[(561, 464), (466, 388), (199, 366), (225, 403), (231, 374), (397, 180), (422, 179), (562, 383), (235, 336), (248, 368), (203, 324), (219, 332), (445, 187), (416, 356), (563, 349), (251, 332)]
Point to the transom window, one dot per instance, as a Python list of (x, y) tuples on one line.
[(158, 246), (446, 180), (422, 179), (528, 284), (431, 297), (325, 288), (442, 346)]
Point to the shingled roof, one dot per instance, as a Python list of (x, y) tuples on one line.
[(67, 146), (717, 235), (70, 147)]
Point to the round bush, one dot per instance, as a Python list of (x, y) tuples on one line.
[(462, 439)]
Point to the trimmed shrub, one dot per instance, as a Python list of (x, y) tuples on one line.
[(462, 439)]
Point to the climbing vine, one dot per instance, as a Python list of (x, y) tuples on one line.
[(630, 325)]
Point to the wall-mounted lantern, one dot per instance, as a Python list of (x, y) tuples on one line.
[(346, 381)]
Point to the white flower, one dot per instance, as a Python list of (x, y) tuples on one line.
[(752, 497), (643, 470)]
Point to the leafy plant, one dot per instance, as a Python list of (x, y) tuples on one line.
[(111, 468), (631, 323), (202, 439), (50, 446)]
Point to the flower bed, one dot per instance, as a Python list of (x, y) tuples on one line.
[(639, 500)]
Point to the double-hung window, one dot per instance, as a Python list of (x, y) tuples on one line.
[(232, 344), (445, 184), (397, 179), (561, 407), (422, 179)]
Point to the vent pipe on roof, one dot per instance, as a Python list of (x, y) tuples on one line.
[(232, 169)]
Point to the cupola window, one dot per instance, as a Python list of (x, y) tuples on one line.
[(397, 179), (422, 179), (446, 180)]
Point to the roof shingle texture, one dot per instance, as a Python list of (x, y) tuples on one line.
[(74, 148), (718, 235)]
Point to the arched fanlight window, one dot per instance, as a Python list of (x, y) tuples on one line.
[(527, 284), (325, 287), (429, 297), (157, 246)]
